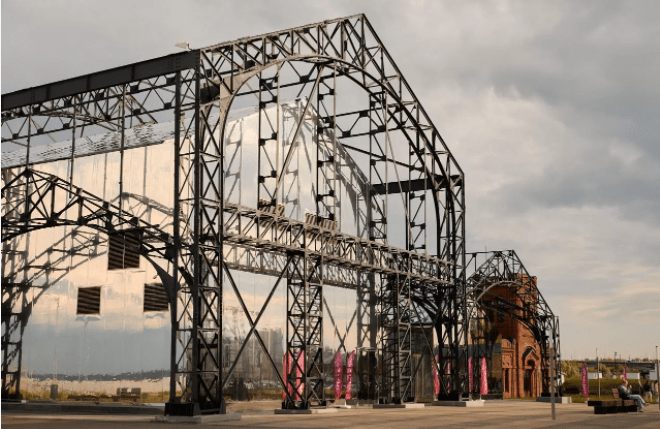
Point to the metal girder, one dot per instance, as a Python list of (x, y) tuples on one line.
[(278, 234), (406, 187), (97, 81)]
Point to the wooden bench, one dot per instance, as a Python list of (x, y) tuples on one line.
[(613, 406)]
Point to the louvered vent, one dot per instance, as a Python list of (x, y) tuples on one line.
[(89, 300), (155, 298), (122, 250)]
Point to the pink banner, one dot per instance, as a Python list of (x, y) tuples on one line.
[(484, 377), (339, 375), (349, 375), (436, 380), (585, 381), (470, 374), (300, 386), (287, 368), (625, 373)]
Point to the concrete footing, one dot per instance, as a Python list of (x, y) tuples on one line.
[(310, 411), (558, 399), (477, 403), (411, 405), (201, 419)]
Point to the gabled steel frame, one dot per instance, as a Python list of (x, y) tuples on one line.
[(195, 90), (505, 269)]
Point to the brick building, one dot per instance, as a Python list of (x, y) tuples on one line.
[(520, 352)]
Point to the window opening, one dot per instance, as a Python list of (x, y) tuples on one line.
[(89, 300), (122, 250), (155, 298)]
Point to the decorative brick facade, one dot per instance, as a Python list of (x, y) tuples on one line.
[(521, 354)]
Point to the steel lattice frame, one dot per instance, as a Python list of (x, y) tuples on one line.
[(209, 237), (504, 269)]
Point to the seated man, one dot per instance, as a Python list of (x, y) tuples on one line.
[(625, 394)]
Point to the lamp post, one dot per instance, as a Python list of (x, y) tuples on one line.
[(657, 375), (598, 371)]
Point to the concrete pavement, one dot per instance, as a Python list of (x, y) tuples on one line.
[(494, 414)]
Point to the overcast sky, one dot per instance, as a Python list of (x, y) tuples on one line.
[(552, 109)]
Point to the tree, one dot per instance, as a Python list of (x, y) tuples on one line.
[(571, 368)]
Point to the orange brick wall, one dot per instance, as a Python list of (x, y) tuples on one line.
[(521, 354)]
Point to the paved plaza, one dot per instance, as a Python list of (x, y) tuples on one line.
[(494, 414)]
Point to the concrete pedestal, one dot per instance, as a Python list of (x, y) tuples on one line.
[(310, 411), (201, 419), (477, 403), (558, 399), (376, 406)]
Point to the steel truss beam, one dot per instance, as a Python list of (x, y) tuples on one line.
[(278, 234), (51, 201)]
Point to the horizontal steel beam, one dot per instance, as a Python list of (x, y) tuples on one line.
[(413, 185), (267, 230), (100, 80)]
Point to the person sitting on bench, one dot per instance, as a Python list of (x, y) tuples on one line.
[(625, 394)]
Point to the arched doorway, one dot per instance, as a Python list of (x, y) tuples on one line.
[(530, 386)]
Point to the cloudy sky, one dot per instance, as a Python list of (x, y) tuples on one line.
[(551, 108)]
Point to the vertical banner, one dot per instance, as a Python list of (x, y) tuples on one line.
[(585, 381), (484, 377), (471, 375), (300, 386), (349, 374), (625, 373), (436, 380), (339, 375), (287, 368), (448, 371)]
